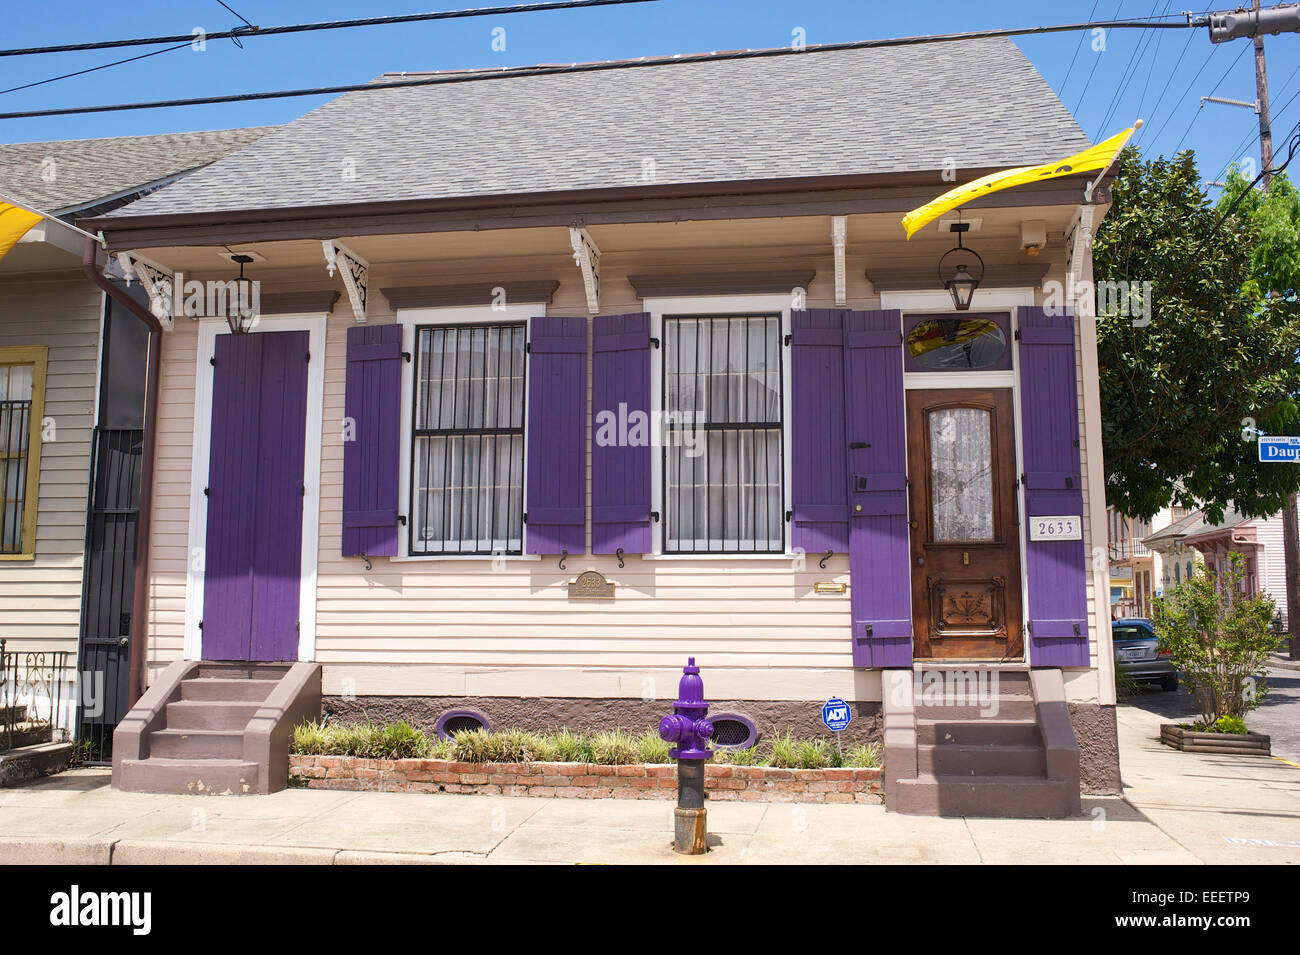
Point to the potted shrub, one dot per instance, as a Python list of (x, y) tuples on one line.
[(1219, 638)]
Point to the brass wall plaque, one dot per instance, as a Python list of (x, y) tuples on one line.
[(591, 585), (828, 587)]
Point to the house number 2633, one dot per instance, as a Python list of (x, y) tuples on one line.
[(1059, 528)]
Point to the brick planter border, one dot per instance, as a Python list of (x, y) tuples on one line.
[(583, 780), (1222, 744)]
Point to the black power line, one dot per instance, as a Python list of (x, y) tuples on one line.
[(94, 69), (1201, 108), (250, 30), (515, 72)]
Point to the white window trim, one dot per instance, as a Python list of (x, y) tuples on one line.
[(209, 329), (1012, 300), (719, 305), (409, 319)]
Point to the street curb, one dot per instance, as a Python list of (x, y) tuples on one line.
[(43, 850), (1282, 663)]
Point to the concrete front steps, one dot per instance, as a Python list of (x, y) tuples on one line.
[(981, 749), (215, 728)]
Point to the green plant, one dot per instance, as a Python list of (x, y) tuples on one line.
[(1224, 724), (741, 757), (614, 748), (863, 757), (569, 747), (1125, 686), (398, 740), (818, 754), (785, 751), (606, 747), (652, 748), (79, 755), (1219, 638)]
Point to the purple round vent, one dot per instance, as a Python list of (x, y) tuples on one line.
[(453, 721), (733, 731)]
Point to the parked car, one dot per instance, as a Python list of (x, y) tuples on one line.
[(1137, 654)]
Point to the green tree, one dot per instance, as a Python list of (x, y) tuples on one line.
[(1219, 639), (1217, 352)]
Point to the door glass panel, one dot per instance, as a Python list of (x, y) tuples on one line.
[(944, 344), (961, 474)]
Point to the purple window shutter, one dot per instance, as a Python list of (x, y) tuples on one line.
[(819, 486), (557, 430), (620, 473), (876, 432), (1056, 570), (373, 404)]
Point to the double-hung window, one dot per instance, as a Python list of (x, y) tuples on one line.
[(22, 391), (467, 439), (723, 457)]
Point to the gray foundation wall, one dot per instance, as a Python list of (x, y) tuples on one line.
[(1094, 728), (542, 714)]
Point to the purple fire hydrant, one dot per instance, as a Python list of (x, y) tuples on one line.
[(689, 730)]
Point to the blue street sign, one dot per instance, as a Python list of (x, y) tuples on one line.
[(836, 714), (1284, 448)]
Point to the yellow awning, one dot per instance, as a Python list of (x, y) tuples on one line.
[(14, 223), (1090, 160)]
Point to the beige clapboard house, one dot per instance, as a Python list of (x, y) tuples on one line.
[(395, 483)]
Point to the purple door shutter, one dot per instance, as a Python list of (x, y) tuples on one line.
[(819, 486), (254, 530), (231, 493), (620, 472), (373, 406), (1056, 570), (879, 549), (557, 429)]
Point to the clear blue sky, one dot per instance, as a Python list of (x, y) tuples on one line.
[(1167, 70)]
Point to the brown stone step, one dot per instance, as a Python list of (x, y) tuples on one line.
[(174, 743), (955, 759), (978, 732), (210, 715), (1001, 707), (1008, 797), (240, 671), (227, 690), (214, 777)]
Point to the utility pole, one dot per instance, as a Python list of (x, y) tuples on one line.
[(1290, 514), (1229, 26), (1265, 154)]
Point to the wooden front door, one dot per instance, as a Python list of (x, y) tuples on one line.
[(965, 537)]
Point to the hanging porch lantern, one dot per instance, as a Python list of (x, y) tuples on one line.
[(956, 275), (241, 312)]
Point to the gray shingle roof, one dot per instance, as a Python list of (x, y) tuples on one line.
[(972, 103), (71, 173)]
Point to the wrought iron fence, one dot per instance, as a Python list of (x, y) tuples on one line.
[(33, 696)]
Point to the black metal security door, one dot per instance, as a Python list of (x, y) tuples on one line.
[(112, 516)]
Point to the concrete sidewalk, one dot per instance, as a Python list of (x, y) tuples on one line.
[(1178, 808)]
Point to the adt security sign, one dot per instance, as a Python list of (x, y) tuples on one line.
[(836, 714), (1280, 448)]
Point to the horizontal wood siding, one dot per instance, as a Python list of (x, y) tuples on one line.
[(440, 620), (40, 599)]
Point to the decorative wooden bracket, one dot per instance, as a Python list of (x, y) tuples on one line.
[(587, 257), (1079, 244), (840, 240), (356, 273), (158, 281)]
